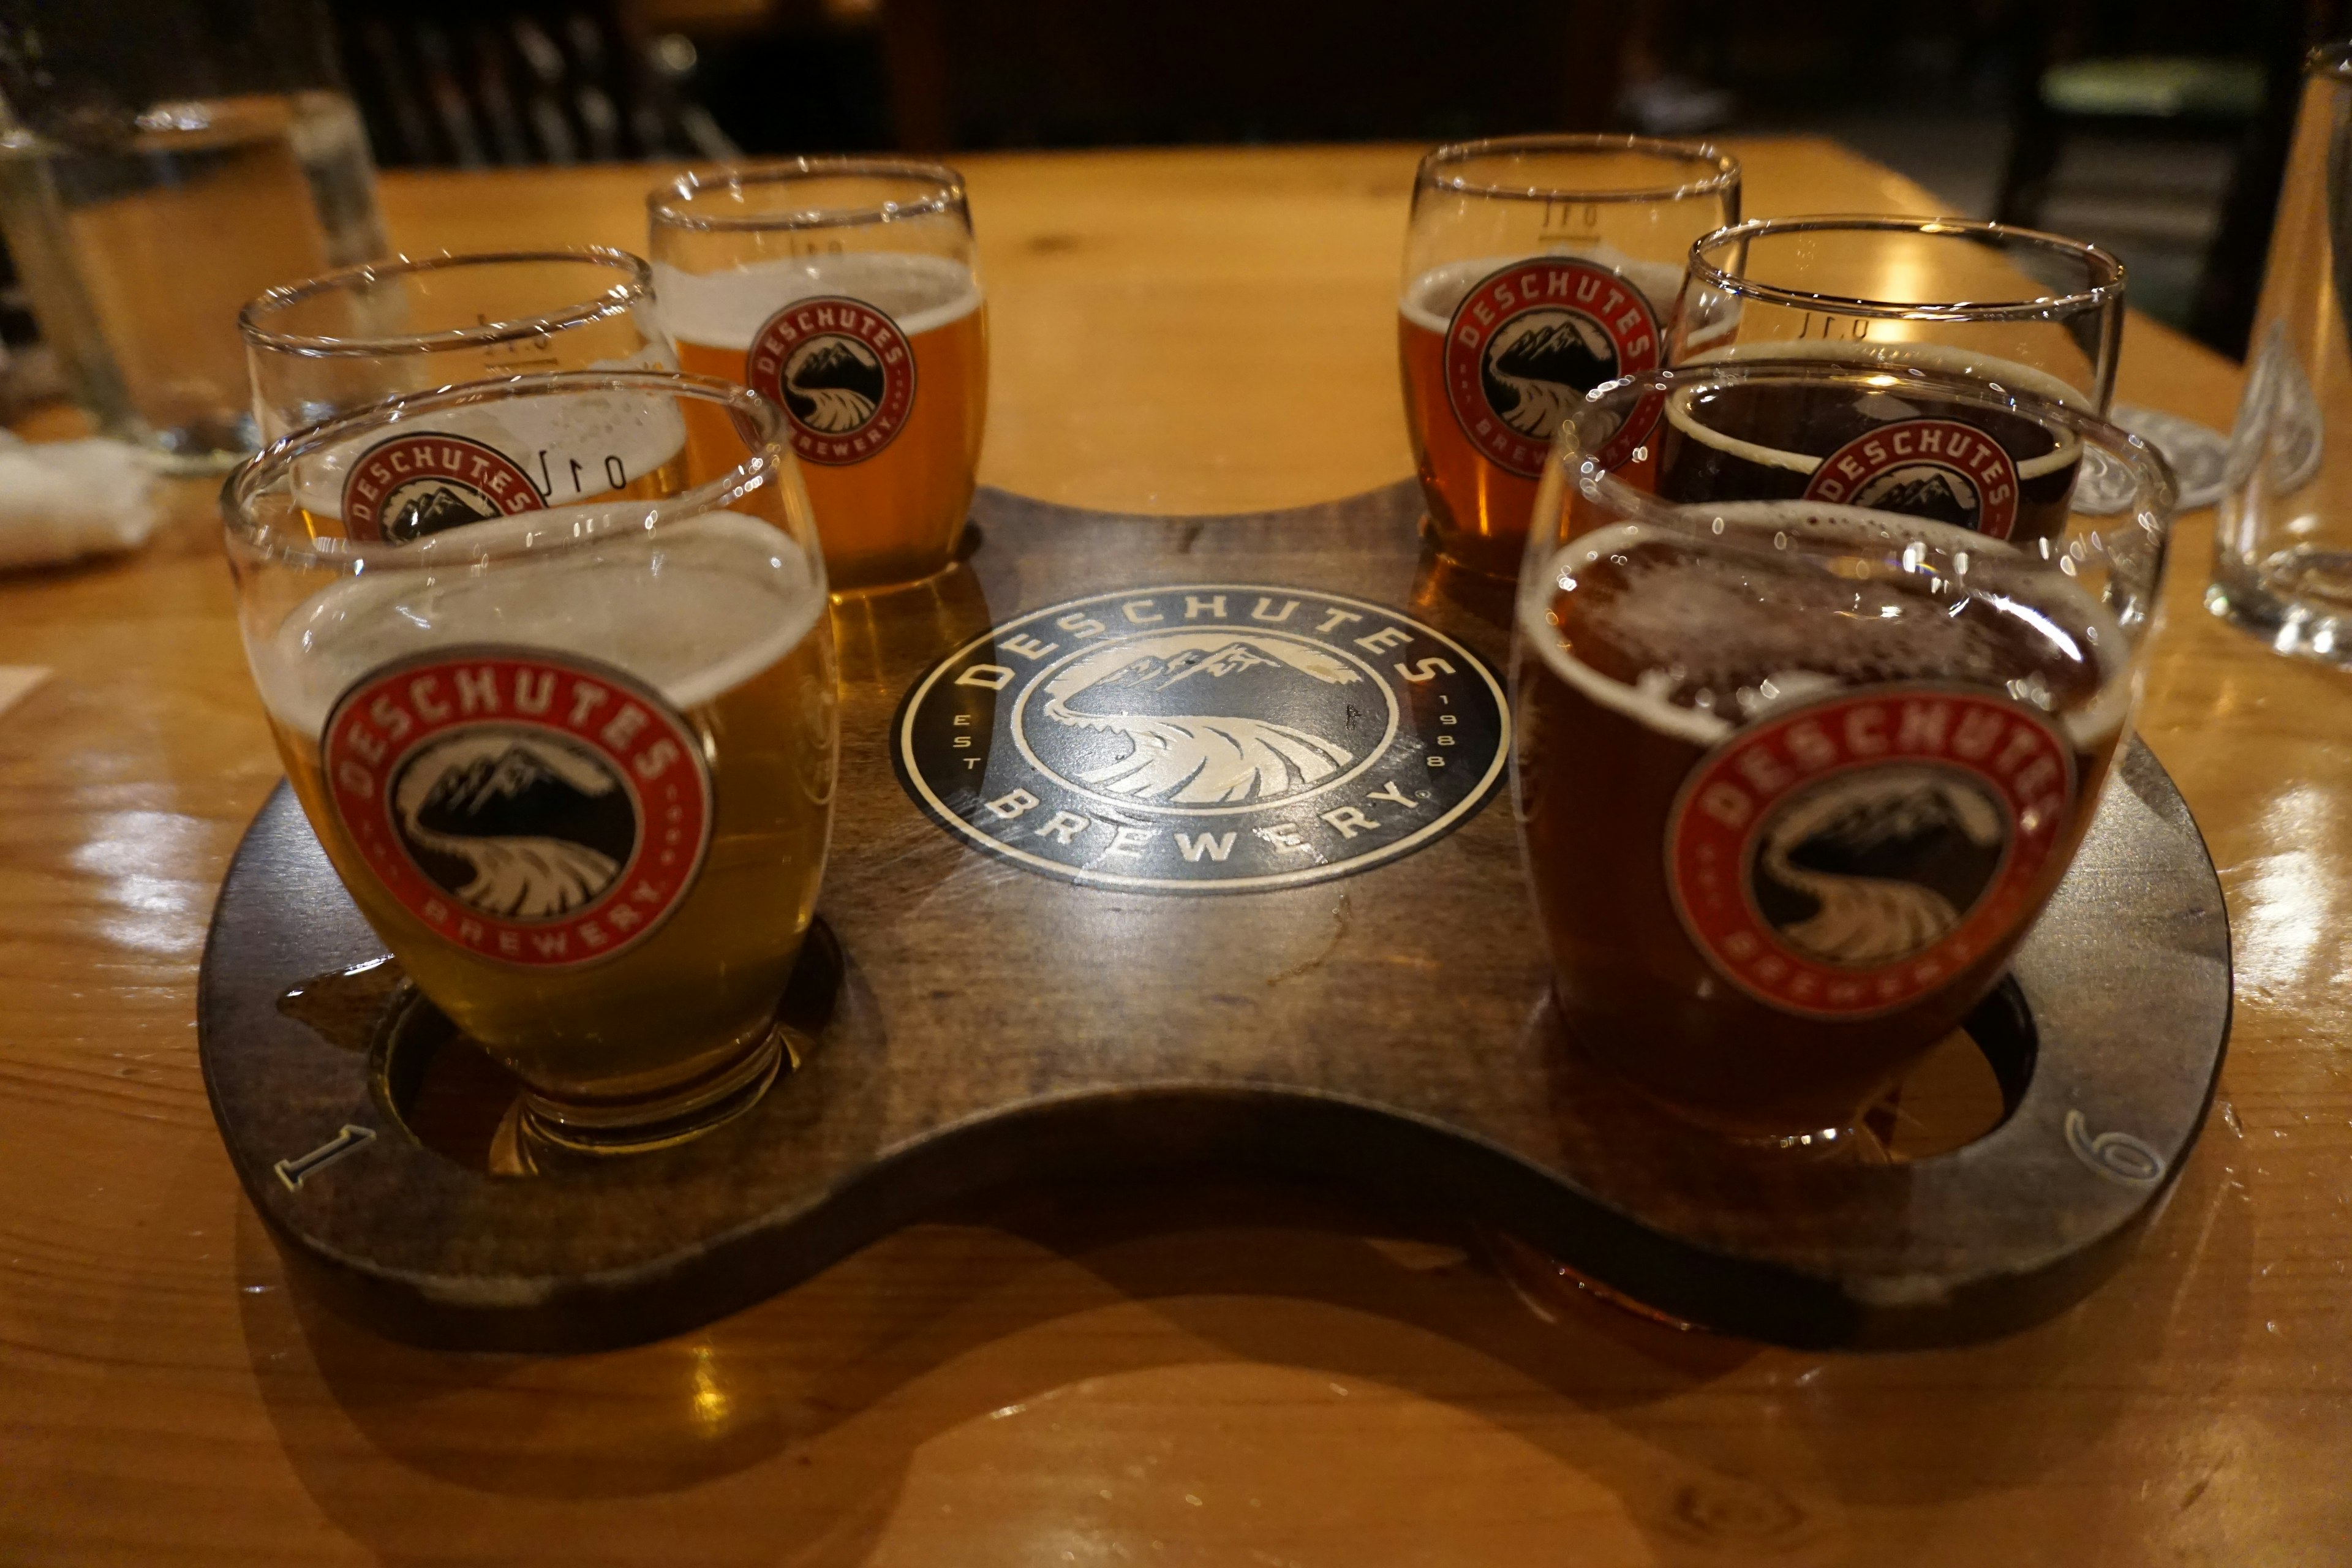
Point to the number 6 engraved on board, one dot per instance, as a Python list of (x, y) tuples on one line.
[(350, 1141), (2118, 1156)]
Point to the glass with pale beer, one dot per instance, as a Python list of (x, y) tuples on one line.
[(576, 766), (843, 289), (1794, 776), (1534, 269)]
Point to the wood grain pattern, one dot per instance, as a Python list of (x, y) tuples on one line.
[(1307, 1375)]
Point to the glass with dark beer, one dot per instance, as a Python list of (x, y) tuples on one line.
[(843, 291), (1795, 774), (1536, 267), (575, 766)]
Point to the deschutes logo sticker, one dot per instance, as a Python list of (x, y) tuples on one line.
[(843, 373), (540, 809), (1529, 341), (411, 486), (1937, 468), (1205, 738), (1845, 859)]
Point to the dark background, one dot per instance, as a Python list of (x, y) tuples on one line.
[(2015, 109)]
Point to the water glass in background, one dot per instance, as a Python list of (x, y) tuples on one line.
[(162, 162), (2282, 552)]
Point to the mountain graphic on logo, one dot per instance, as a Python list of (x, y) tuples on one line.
[(433, 508), (1871, 867), (517, 825), (1206, 718), (1930, 493), (833, 383), (1543, 362)]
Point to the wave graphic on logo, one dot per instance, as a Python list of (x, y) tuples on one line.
[(513, 826), (1946, 836), (1541, 366), (1201, 759), (834, 386)]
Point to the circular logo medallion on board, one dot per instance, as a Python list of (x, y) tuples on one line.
[(540, 809), (843, 373), (1844, 860), (411, 486), (1205, 738), (1937, 468), (1529, 341)]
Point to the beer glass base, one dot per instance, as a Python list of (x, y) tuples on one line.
[(1477, 555), (2301, 607), (608, 1130)]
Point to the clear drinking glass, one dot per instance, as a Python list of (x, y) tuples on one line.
[(2032, 313), (2282, 552), (156, 170), (1795, 775), (1534, 269), (347, 340), (577, 768), (843, 289), (337, 342)]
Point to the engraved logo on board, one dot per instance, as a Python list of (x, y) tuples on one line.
[(536, 808), (1529, 341), (1844, 858), (1205, 738), (1937, 468), (843, 373)]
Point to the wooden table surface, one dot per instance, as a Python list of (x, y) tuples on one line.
[(1220, 1371)]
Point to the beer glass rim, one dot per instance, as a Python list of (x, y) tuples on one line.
[(2331, 59), (2105, 271), (670, 203), (1724, 169), (1577, 459), (273, 465), (635, 288)]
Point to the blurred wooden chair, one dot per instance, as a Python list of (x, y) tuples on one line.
[(483, 82), (1060, 73)]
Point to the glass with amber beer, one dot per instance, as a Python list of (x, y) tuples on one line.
[(1534, 269), (843, 291), (575, 766), (1795, 775)]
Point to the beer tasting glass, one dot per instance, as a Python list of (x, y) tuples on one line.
[(575, 766), (351, 339), (344, 340), (1796, 774), (843, 291), (2031, 311), (1534, 269)]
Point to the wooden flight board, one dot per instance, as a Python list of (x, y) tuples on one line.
[(1034, 965)]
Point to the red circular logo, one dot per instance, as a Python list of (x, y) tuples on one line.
[(1935, 469), (537, 809), (411, 486), (842, 371), (1530, 341), (1845, 859)]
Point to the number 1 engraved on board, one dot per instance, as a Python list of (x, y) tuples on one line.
[(350, 1141)]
